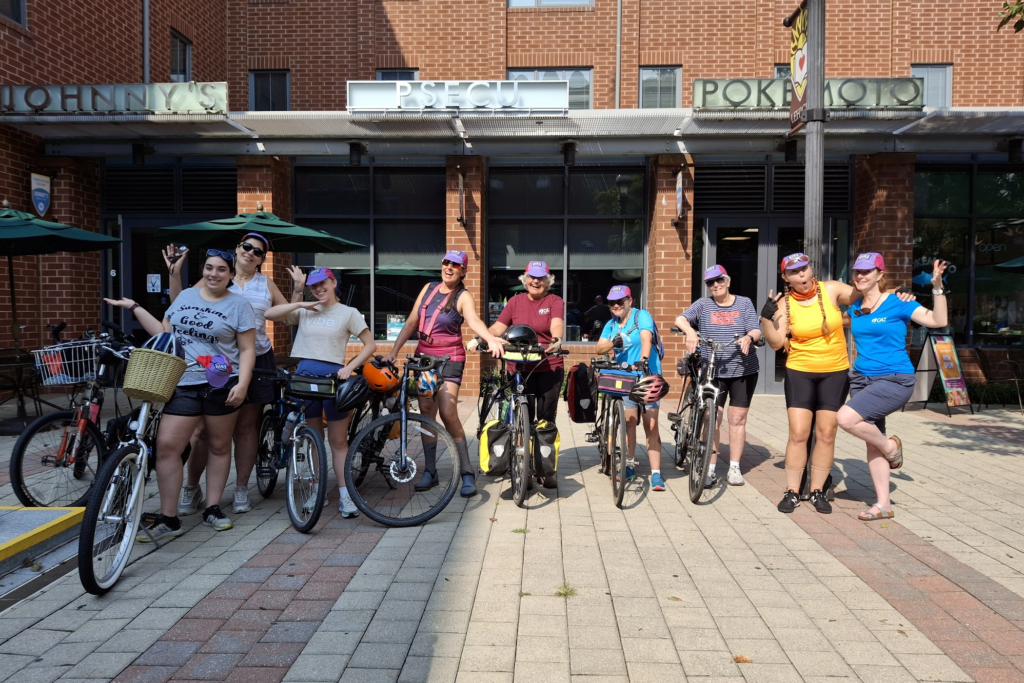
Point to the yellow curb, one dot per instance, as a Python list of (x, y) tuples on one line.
[(16, 545)]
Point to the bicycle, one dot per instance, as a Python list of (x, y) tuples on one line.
[(286, 442), (386, 460), (610, 430), (54, 461)]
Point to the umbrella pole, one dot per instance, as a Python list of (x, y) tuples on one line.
[(16, 331)]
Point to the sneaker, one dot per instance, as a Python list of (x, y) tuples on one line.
[(630, 474), (348, 508), (189, 501), (820, 503), (735, 477), (217, 519), (159, 531), (790, 501), (712, 480), (427, 481), (241, 503), (657, 483)]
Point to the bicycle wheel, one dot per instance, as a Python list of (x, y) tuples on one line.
[(266, 453), (600, 429), (388, 494), (366, 414), (111, 520), (685, 426), (307, 479), (519, 465), (42, 471), (702, 445), (620, 455)]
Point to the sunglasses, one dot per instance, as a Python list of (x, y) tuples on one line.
[(617, 302), (226, 255), (717, 281), (454, 264), (794, 259), (256, 251)]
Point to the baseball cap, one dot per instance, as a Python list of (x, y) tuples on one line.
[(869, 261), (537, 269), (261, 238), (714, 271), (618, 292), (797, 260), (456, 256), (218, 369), (319, 275)]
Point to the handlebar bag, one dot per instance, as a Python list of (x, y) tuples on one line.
[(615, 382), (495, 448), (307, 388), (581, 394), (546, 443), (520, 357)]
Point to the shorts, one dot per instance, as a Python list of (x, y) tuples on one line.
[(316, 409), (453, 371), (261, 387), (200, 399), (628, 404), (739, 390), (874, 397), (816, 391)]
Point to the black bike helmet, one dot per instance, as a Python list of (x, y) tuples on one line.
[(520, 334), (351, 394)]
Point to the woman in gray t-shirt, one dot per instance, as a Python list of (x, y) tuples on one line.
[(206, 321)]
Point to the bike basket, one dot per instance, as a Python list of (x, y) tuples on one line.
[(308, 388), (68, 363), (615, 383), (152, 375)]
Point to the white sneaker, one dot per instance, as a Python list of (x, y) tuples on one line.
[(189, 501), (735, 478), (241, 503), (348, 508), (711, 481)]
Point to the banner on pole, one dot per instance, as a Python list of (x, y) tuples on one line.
[(798, 68), (40, 193)]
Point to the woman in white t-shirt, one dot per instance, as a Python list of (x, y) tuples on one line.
[(325, 326)]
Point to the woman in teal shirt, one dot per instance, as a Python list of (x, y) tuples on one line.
[(882, 379)]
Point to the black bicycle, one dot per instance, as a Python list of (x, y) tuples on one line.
[(610, 430)]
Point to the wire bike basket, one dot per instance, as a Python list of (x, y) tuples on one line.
[(72, 362), (152, 375)]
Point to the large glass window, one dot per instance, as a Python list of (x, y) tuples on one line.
[(596, 217), (398, 74), (396, 213), (181, 58), (268, 90), (13, 10), (660, 87), (579, 82)]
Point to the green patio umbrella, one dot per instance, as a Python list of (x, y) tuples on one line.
[(283, 236)]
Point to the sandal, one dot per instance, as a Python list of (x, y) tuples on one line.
[(896, 459), (868, 516)]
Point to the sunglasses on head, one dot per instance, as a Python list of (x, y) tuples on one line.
[(256, 251), (717, 281), (226, 255), (794, 259), (454, 264)]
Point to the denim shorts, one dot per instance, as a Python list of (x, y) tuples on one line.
[(628, 404), (873, 397)]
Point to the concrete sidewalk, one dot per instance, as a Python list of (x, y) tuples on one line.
[(573, 588)]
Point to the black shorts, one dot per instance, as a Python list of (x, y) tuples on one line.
[(201, 399), (816, 391), (739, 390), (453, 371), (261, 387)]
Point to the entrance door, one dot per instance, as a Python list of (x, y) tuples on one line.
[(751, 249)]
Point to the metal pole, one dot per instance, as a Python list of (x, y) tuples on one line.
[(814, 169)]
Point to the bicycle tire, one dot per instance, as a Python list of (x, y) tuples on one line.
[(685, 425), (118, 480), (392, 501), (703, 444), (367, 413), (620, 447), (266, 453), (601, 429), (307, 479), (519, 465), (37, 476)]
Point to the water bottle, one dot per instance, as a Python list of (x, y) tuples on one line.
[(289, 425)]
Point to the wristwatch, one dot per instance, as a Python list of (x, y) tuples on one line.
[(938, 292)]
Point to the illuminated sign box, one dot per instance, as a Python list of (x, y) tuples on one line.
[(457, 95), (840, 93)]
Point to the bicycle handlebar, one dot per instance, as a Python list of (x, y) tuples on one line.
[(425, 363), (718, 346), (608, 364), (483, 347)]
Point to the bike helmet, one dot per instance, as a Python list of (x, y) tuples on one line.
[(381, 377), (648, 390), (352, 393), (165, 342), (426, 383), (520, 334)]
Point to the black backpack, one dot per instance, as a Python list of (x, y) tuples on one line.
[(581, 394)]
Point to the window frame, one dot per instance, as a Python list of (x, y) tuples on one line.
[(381, 72), (947, 68), (22, 19), (521, 4), (287, 88), (678, 68), (536, 71), (776, 67), (179, 37)]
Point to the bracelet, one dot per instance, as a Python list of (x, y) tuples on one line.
[(133, 307)]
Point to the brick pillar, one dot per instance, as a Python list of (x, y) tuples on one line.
[(266, 182), (884, 212), (469, 239)]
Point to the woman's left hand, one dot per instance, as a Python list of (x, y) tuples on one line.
[(236, 395), (344, 373), (744, 343), (938, 270), (496, 347)]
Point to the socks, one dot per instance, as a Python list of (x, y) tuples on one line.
[(653, 472), (430, 456), (734, 464), (343, 492), (464, 465), (172, 522)]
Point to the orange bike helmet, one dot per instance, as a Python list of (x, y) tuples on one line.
[(381, 376)]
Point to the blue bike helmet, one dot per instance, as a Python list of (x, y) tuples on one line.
[(165, 342)]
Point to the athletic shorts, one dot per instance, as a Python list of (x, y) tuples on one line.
[(315, 409), (453, 371), (261, 387), (874, 397), (816, 391), (201, 399), (739, 390)]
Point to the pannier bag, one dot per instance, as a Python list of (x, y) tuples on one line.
[(615, 382), (495, 448), (307, 388), (546, 443), (581, 395)]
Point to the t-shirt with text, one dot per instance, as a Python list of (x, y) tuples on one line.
[(324, 334), (209, 328), (881, 337), (522, 310), (632, 345), (722, 324)]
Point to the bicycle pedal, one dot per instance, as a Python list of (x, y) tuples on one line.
[(674, 417)]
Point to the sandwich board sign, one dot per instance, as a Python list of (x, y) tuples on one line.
[(939, 358)]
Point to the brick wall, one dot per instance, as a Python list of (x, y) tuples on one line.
[(884, 212)]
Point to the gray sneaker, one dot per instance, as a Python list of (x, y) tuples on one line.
[(189, 501), (241, 503), (217, 519), (735, 478), (159, 532)]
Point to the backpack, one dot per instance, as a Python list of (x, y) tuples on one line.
[(546, 443), (581, 394), (656, 344), (495, 448)]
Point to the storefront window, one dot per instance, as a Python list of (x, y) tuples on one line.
[(1000, 193), (942, 192), (579, 82), (998, 281), (948, 239)]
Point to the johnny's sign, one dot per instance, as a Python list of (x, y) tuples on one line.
[(118, 98), (840, 93)]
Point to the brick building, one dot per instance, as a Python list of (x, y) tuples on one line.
[(661, 97)]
